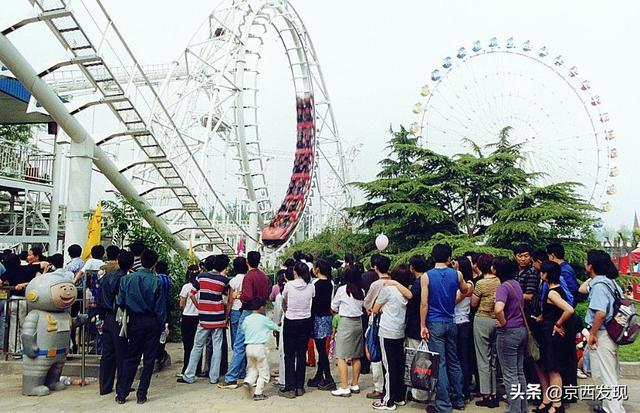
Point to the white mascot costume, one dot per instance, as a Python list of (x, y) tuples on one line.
[(46, 333)]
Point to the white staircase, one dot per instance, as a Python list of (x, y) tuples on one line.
[(177, 193)]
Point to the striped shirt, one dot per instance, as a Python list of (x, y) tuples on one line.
[(211, 309), (529, 281)]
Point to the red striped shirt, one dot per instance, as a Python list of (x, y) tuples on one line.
[(211, 309)]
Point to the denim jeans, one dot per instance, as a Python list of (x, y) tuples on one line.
[(234, 323), (200, 341), (239, 359), (512, 344), (442, 340)]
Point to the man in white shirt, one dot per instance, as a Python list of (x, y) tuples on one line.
[(93, 264), (76, 263)]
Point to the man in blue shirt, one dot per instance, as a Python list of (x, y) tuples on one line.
[(141, 295), (113, 345), (556, 254), (437, 303), (603, 351)]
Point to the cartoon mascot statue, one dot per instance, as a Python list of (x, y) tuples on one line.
[(46, 333)]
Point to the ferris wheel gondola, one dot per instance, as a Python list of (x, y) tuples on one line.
[(554, 114)]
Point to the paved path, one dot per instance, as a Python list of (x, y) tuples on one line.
[(166, 395)]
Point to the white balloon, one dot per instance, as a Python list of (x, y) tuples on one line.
[(382, 242)]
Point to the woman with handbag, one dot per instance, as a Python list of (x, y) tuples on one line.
[(556, 344), (512, 332)]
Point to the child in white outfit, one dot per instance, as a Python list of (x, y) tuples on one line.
[(257, 330)]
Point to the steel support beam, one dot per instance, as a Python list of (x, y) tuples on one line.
[(54, 207), (27, 75)]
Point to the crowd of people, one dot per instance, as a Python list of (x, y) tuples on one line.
[(475, 311), (105, 298)]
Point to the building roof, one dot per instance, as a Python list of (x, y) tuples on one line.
[(14, 100)]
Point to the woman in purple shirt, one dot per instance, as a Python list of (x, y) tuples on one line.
[(512, 333)]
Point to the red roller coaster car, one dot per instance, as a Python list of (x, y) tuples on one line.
[(290, 211)]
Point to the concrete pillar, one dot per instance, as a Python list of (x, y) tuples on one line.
[(79, 193)]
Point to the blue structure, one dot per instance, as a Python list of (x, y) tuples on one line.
[(14, 99)]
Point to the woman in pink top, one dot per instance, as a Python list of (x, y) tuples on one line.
[(298, 327)]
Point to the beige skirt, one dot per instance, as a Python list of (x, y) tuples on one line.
[(349, 338)]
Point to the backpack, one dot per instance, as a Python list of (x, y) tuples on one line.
[(372, 341), (624, 326)]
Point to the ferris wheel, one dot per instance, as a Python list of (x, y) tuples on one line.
[(561, 122), (216, 107)]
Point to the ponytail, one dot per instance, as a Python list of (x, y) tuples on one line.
[(302, 270)]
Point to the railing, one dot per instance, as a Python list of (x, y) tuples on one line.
[(24, 162)]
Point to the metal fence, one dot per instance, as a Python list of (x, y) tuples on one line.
[(24, 162), (86, 337)]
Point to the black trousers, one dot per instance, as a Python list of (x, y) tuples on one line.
[(144, 338), (365, 364), (111, 361), (465, 349), (393, 370), (324, 368), (570, 373), (224, 360), (296, 336), (188, 327)]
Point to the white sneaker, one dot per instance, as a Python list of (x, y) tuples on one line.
[(355, 389), (581, 374), (340, 392), (382, 406)]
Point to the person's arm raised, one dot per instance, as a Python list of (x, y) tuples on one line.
[(406, 293)]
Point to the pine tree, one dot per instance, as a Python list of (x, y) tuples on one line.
[(401, 202), (541, 215)]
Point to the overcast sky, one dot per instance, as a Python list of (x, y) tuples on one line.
[(375, 55)]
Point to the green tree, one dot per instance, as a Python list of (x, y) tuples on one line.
[(420, 193), (334, 243), (541, 215), (478, 184), (401, 201), (16, 133), (459, 245), (123, 223), (482, 201)]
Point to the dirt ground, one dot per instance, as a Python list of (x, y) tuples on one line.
[(165, 395)]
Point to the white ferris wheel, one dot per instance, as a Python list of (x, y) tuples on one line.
[(552, 110)]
